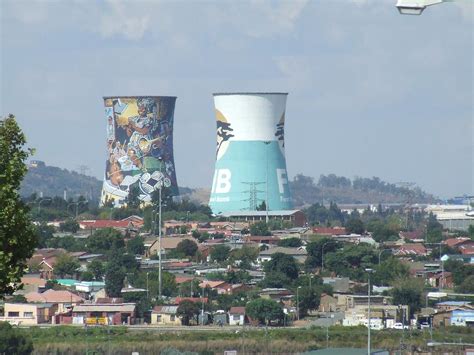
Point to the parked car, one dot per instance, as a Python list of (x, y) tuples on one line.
[(400, 326)]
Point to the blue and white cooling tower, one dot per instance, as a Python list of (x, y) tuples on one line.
[(250, 158)]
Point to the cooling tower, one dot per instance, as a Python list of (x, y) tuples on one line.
[(139, 148), (250, 158)]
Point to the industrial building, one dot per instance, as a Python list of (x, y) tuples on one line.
[(139, 148), (250, 169)]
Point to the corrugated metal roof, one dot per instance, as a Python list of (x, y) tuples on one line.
[(259, 213), (124, 307)]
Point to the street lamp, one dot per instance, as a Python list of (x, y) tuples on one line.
[(369, 272), (147, 290), (380, 253), (298, 302), (416, 7), (160, 186), (42, 200), (77, 205)]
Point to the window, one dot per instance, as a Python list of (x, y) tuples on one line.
[(28, 314), (172, 317), (158, 318), (13, 314), (236, 317)]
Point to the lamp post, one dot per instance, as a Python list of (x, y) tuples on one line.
[(380, 253), (159, 226), (41, 201), (416, 7), (369, 272), (147, 290), (202, 307), (77, 205), (298, 302), (310, 279), (266, 180)]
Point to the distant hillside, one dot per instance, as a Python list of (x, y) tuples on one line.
[(342, 190), (52, 181)]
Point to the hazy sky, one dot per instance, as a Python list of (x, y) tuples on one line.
[(371, 92)]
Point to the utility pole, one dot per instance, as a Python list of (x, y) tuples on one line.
[(159, 226), (369, 271)]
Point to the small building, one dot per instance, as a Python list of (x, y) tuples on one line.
[(296, 217), (338, 284), (411, 249), (220, 318), (27, 313), (237, 316), (327, 303), (463, 318), (299, 254), (165, 315), (104, 313), (64, 300)]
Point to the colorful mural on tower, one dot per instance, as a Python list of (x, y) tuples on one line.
[(139, 147)]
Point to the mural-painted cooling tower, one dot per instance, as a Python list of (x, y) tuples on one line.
[(250, 159), (139, 147)]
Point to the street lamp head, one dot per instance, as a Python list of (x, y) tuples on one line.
[(369, 270), (415, 7)]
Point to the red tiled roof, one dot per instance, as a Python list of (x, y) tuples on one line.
[(237, 310), (454, 242), (467, 249), (411, 249), (329, 231), (211, 284), (53, 296), (182, 279), (418, 234)]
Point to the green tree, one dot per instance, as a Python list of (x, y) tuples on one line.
[(220, 253), (308, 299), (66, 265), (408, 291), (69, 225), (97, 268), (315, 249), (87, 276), (283, 263), (355, 226), (290, 242), (390, 270), (44, 234), (467, 286), (260, 229), (187, 310), (114, 278), (434, 230), (187, 247), (276, 279), (135, 246), (12, 341), (105, 240), (17, 234), (264, 310), (470, 231), (244, 257)]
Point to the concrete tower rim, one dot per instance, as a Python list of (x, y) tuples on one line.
[(248, 93)]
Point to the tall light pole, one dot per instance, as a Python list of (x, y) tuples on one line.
[(159, 226), (42, 200), (369, 271), (147, 290), (266, 180), (77, 205), (380, 253), (298, 302), (416, 7)]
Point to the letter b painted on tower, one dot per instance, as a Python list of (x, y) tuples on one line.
[(222, 183)]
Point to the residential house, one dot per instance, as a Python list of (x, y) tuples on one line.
[(329, 231), (222, 287), (167, 244), (452, 305), (33, 283), (299, 254), (28, 314), (281, 295), (64, 300), (411, 249), (338, 284), (237, 316), (132, 223), (296, 217), (104, 313), (417, 236), (165, 315), (328, 303), (462, 318), (381, 315)]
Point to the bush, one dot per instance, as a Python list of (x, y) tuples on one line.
[(12, 342)]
